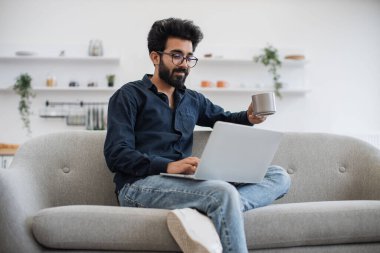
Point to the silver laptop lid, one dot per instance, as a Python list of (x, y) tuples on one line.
[(238, 153)]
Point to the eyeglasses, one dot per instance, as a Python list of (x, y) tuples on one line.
[(178, 59)]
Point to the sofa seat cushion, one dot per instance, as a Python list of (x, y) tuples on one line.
[(313, 223), (281, 225), (103, 228)]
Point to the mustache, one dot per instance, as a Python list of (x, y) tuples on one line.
[(180, 70)]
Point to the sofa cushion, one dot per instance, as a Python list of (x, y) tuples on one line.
[(103, 228), (282, 225), (313, 223)]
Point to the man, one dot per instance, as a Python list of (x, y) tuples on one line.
[(150, 130)]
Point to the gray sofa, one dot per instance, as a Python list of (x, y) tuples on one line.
[(58, 195)]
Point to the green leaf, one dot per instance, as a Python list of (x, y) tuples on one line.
[(270, 59), (24, 88)]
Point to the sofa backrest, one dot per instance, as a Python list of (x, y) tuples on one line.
[(71, 169), (324, 167), (327, 167)]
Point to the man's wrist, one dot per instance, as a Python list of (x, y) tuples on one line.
[(159, 165)]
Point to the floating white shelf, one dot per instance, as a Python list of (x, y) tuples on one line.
[(75, 88), (285, 62), (61, 58), (294, 91), (54, 89), (299, 91)]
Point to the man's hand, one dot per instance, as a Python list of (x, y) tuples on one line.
[(254, 119), (185, 166)]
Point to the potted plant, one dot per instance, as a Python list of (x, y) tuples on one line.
[(110, 80), (270, 58), (24, 88)]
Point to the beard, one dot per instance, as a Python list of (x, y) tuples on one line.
[(170, 77)]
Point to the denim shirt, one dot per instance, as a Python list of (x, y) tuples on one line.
[(144, 134)]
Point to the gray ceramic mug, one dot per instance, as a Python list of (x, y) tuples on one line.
[(264, 104)]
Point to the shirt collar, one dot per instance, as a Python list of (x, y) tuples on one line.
[(147, 82)]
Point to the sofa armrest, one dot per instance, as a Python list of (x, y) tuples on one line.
[(20, 199)]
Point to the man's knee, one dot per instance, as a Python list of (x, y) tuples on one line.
[(223, 191), (281, 177)]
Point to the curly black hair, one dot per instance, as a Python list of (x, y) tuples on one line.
[(173, 27)]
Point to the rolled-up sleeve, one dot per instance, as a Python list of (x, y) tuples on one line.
[(210, 113)]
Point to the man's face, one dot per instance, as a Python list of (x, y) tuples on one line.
[(175, 74)]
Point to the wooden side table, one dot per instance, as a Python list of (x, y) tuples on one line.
[(7, 151)]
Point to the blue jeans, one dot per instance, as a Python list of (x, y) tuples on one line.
[(224, 203)]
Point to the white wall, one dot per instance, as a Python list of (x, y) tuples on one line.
[(340, 38)]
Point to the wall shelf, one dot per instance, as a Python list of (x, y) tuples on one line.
[(285, 62), (61, 66), (294, 91), (63, 89), (75, 89), (299, 91), (85, 59), (248, 76)]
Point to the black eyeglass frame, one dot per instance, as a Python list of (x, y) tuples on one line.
[(188, 58)]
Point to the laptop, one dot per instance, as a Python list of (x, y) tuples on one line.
[(236, 153)]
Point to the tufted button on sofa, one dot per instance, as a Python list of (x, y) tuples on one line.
[(58, 195)]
